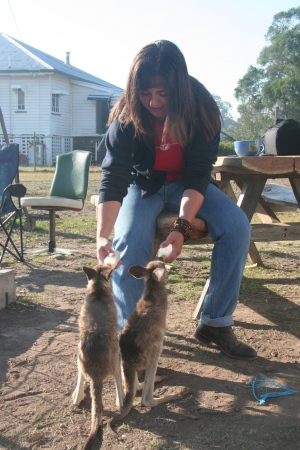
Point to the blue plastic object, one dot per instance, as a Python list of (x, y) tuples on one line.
[(262, 383)]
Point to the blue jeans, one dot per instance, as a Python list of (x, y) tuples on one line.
[(134, 235)]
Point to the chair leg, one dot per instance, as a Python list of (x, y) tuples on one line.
[(21, 236), (10, 222), (52, 243)]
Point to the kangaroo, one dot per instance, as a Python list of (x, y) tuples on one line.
[(99, 351), (141, 340)]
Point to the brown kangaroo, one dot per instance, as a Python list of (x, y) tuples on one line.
[(99, 351), (141, 340)]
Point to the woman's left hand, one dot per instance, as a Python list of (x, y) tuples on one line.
[(175, 241)]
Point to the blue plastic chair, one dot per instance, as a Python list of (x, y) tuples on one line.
[(10, 211)]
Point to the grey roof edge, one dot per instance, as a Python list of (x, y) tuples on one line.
[(58, 66), (26, 71)]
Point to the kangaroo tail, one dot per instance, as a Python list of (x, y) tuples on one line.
[(97, 408), (130, 378)]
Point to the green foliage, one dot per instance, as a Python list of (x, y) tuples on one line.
[(282, 22), (226, 148), (225, 108), (276, 82), (253, 123), (281, 60), (249, 87)]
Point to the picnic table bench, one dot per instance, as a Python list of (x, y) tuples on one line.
[(280, 198)]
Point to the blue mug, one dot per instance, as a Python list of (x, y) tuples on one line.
[(249, 148)]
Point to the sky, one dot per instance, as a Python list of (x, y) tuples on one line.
[(220, 39)]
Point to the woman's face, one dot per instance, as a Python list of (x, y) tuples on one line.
[(156, 100)]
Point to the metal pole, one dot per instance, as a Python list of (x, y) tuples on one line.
[(34, 150)]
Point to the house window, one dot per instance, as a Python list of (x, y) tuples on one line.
[(55, 103), (21, 100)]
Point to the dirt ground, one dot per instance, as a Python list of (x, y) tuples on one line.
[(38, 346)]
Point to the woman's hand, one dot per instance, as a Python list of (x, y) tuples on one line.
[(106, 216), (190, 204), (175, 241), (104, 248)]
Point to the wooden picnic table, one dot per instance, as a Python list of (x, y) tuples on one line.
[(251, 174)]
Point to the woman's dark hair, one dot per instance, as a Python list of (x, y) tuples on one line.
[(191, 106)]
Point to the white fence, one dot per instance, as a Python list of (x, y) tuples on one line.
[(42, 150)]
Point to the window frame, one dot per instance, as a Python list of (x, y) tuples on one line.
[(21, 99), (55, 104)]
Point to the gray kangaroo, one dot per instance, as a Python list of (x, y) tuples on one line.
[(141, 340), (99, 350)]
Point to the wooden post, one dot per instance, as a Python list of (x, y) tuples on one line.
[(3, 127)]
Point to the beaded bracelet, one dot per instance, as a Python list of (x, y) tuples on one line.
[(183, 226)]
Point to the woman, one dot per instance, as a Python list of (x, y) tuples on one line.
[(161, 145)]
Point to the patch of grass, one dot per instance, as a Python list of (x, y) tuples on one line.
[(165, 446), (29, 298), (123, 428)]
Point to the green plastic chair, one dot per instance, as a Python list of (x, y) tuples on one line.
[(68, 192)]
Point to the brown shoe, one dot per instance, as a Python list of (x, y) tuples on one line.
[(225, 338)]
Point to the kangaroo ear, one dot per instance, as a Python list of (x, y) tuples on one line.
[(107, 273), (158, 273), (90, 272), (138, 271)]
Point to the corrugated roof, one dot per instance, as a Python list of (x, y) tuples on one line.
[(15, 56)]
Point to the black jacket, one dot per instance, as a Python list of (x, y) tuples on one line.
[(130, 160)]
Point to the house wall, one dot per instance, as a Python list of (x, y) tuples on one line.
[(74, 126), (5, 101), (35, 117), (83, 110), (77, 114), (61, 123)]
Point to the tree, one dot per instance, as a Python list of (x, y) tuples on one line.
[(276, 82), (249, 89), (228, 122), (281, 60)]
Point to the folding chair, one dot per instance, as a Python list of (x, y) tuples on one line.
[(68, 192), (10, 214)]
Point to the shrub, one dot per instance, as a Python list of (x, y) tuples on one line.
[(226, 148)]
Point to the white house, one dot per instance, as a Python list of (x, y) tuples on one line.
[(49, 105)]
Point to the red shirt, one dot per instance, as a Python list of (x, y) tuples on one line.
[(169, 155)]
